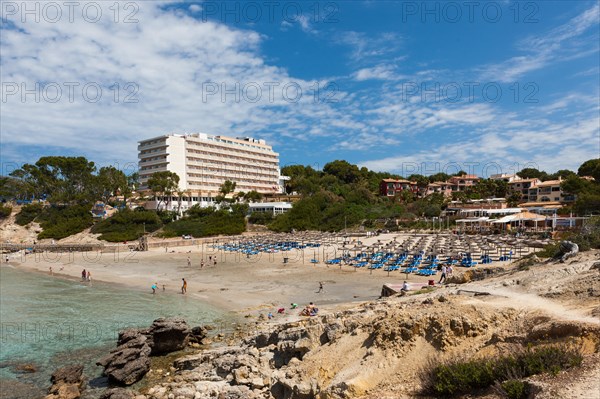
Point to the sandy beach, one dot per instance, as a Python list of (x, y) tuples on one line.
[(246, 285)]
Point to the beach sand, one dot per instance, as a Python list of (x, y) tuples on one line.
[(246, 285)]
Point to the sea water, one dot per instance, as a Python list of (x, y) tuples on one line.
[(49, 322)]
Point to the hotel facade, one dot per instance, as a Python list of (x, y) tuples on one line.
[(203, 162)]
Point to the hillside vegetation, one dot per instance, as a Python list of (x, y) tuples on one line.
[(340, 196)]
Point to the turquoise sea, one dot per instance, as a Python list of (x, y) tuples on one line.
[(49, 322)]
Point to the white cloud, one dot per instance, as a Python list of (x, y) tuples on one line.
[(379, 72), (195, 8), (170, 57), (556, 45), (367, 48)]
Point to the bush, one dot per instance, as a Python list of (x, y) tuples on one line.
[(463, 376), (210, 224), (28, 214), (515, 389), (5, 211), (62, 221), (589, 236), (262, 218), (549, 251), (127, 225)]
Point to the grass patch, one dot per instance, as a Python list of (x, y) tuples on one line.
[(422, 291), (456, 376)]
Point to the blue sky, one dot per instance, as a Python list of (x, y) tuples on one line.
[(405, 87)]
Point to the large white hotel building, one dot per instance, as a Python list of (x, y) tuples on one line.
[(203, 162)]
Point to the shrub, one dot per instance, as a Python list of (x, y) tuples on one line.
[(515, 389), (62, 221), (549, 251), (127, 225), (214, 223), (28, 214), (263, 218), (208, 222), (457, 376), (5, 211)]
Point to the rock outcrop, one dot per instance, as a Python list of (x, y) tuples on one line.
[(67, 383), (130, 361), (567, 250), (167, 335), (117, 393)]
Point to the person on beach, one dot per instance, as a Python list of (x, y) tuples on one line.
[(51, 273), (189, 262), (449, 270), (215, 262), (270, 315), (321, 289), (184, 286), (89, 276), (83, 275), (163, 288), (293, 305), (155, 287), (308, 310), (443, 277), (281, 310), (6, 259), (202, 264), (404, 287)]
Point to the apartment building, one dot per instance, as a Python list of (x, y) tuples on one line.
[(439, 187), (522, 186), (392, 187), (461, 183), (549, 191), (203, 162)]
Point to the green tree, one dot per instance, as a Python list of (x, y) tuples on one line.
[(110, 182), (532, 173), (590, 167), (253, 196), (227, 187), (439, 177), (343, 170), (422, 182), (65, 180), (163, 183)]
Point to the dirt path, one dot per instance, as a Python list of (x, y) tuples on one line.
[(511, 299)]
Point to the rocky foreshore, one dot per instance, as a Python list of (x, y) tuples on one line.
[(369, 352), (375, 350)]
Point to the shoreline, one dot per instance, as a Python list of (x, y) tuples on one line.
[(245, 286)]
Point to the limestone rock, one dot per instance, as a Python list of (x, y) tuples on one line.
[(168, 335), (117, 393), (130, 361), (67, 383)]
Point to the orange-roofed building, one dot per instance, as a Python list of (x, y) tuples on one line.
[(392, 187)]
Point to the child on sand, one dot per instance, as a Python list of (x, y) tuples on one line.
[(155, 287), (184, 286)]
